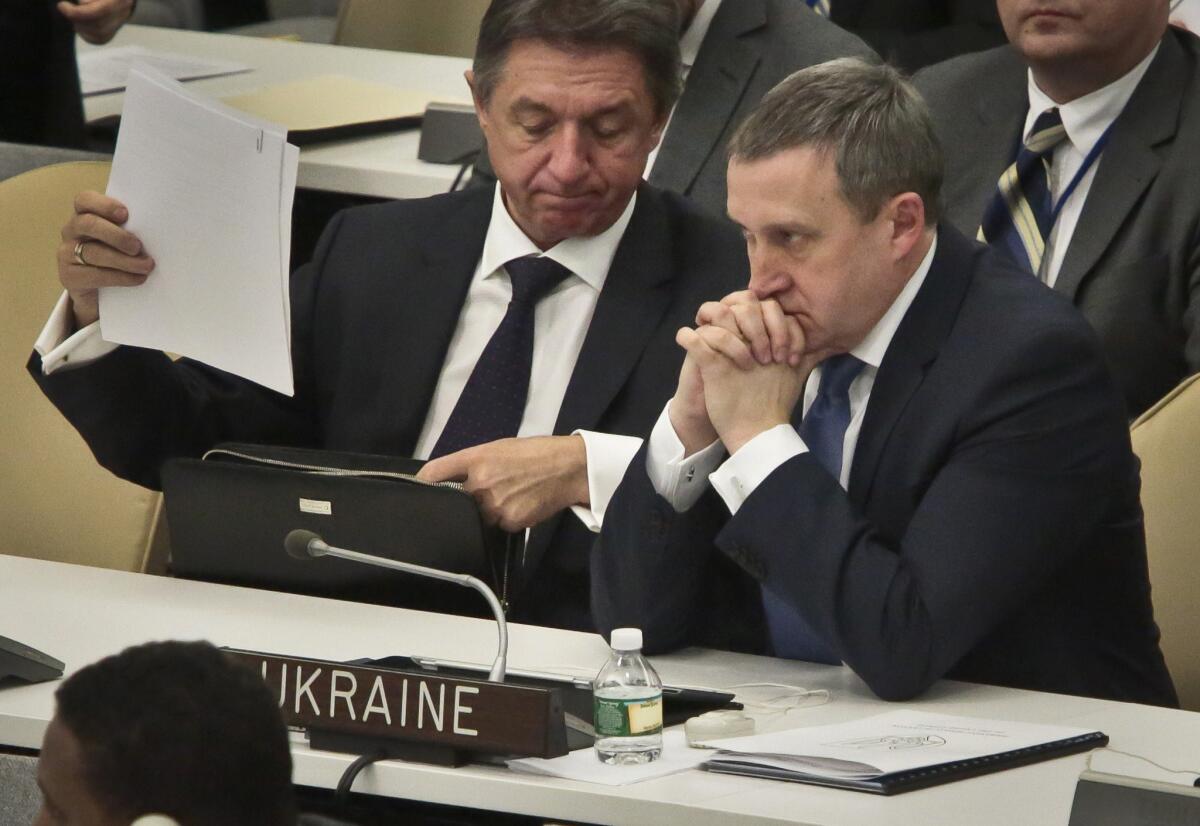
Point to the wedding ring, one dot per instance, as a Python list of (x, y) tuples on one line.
[(79, 254)]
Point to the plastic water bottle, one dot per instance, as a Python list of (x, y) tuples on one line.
[(627, 703)]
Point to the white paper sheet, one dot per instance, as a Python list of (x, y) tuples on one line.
[(583, 765), (107, 69), (209, 192)]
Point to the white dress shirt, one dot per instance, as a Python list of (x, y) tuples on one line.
[(682, 479), (1086, 119), (689, 48), (561, 321)]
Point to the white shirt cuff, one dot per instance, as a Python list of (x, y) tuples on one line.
[(59, 349), (745, 470), (677, 478), (608, 457)]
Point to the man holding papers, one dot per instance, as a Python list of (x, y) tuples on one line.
[(917, 485), (445, 327)]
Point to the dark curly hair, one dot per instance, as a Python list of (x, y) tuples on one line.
[(177, 728)]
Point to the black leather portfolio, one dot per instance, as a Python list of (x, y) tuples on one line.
[(229, 512)]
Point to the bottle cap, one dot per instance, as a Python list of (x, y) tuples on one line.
[(627, 639)]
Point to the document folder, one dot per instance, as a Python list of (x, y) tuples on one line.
[(229, 512)]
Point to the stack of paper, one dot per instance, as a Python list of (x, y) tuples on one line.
[(209, 191), (334, 106), (898, 751)]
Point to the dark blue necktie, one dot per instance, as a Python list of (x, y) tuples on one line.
[(1021, 214), (493, 399), (823, 429)]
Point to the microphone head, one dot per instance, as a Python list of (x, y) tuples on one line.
[(298, 544)]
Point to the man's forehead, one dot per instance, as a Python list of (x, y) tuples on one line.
[(543, 74)]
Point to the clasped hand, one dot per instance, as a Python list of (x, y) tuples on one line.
[(745, 368)]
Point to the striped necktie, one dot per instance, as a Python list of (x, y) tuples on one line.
[(823, 429), (1020, 216), (821, 7)]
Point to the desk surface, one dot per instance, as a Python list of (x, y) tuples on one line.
[(80, 614), (384, 166)]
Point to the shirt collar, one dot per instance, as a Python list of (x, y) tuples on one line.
[(873, 347), (1086, 119), (588, 258), (689, 44)]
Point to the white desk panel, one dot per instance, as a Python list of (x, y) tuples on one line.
[(80, 614)]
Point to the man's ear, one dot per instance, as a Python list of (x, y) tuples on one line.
[(906, 213), (480, 108)]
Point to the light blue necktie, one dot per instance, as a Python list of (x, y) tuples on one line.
[(824, 431), (821, 7)]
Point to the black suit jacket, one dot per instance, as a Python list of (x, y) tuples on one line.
[(991, 531), (1133, 263), (750, 46), (39, 81), (372, 318), (916, 33)]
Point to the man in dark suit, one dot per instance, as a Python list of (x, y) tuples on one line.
[(733, 52), (914, 34), (403, 327), (959, 498), (1122, 196), (39, 81)]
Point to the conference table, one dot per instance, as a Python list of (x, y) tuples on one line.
[(79, 614), (383, 166)]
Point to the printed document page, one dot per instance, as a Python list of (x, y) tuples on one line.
[(209, 191), (885, 743)]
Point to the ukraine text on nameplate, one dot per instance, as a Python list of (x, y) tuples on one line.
[(471, 715)]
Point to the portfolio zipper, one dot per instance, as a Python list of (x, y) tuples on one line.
[(332, 471)]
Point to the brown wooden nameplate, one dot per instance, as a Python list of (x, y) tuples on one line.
[(442, 719)]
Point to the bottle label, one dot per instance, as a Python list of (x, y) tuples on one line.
[(615, 717)]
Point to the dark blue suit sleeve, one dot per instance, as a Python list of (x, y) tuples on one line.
[(136, 408)]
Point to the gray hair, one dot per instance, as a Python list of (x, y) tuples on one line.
[(868, 115), (648, 28)]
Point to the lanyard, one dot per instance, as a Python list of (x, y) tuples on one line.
[(1087, 164)]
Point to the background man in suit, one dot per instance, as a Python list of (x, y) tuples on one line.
[(733, 51), (169, 728), (39, 81), (960, 498), (1118, 210), (916, 33), (403, 327)]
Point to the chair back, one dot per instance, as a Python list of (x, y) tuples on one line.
[(1167, 440), (448, 27), (56, 502)]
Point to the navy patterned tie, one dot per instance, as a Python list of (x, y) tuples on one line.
[(824, 431), (821, 7), (493, 399), (1020, 216)]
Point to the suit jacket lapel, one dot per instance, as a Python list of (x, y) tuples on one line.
[(916, 344), (635, 296), (724, 65), (425, 310), (1129, 163), (631, 305)]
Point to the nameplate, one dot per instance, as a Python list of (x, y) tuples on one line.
[(1103, 799), (383, 704)]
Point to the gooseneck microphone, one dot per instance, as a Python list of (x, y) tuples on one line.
[(302, 544)]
